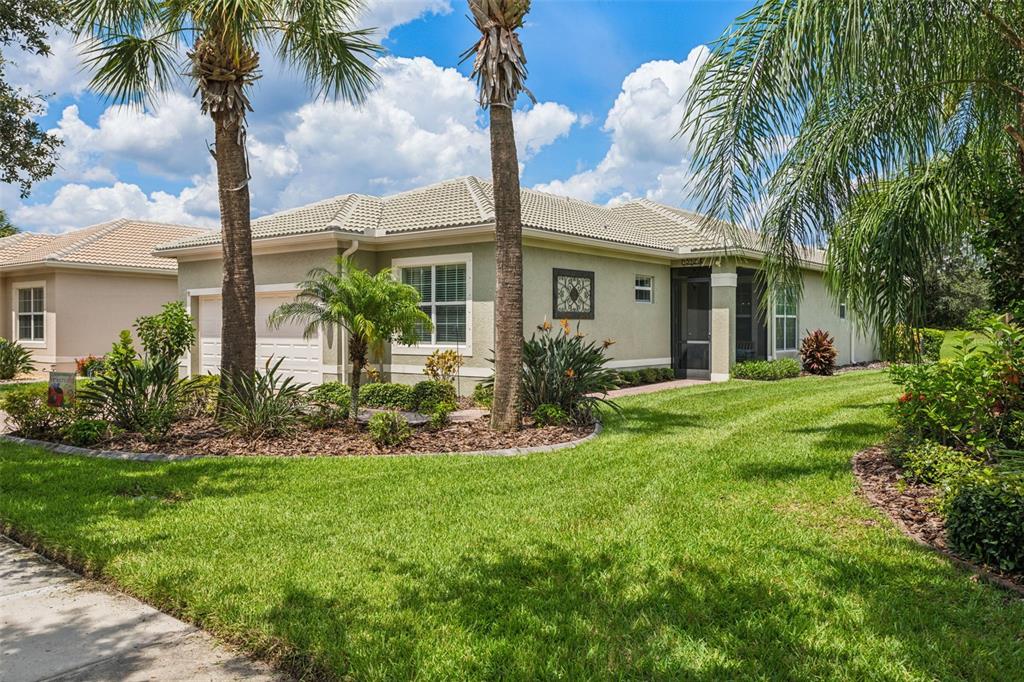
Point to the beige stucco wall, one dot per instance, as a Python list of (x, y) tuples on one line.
[(85, 310), (816, 310)]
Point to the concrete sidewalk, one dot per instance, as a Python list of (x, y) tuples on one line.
[(56, 625)]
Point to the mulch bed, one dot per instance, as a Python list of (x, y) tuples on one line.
[(911, 506), (203, 436)]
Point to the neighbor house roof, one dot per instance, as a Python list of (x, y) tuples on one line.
[(119, 244), (468, 201)]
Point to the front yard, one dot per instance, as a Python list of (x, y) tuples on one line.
[(713, 533)]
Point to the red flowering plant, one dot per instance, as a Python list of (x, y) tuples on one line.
[(968, 401)]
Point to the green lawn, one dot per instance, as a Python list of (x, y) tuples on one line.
[(715, 534)]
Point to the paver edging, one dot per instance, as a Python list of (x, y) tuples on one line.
[(164, 457)]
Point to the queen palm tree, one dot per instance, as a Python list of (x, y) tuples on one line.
[(500, 71), (868, 125), (372, 309), (133, 50)]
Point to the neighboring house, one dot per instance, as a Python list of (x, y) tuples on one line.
[(69, 295), (642, 274)]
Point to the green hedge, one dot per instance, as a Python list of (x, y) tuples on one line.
[(395, 396), (985, 519), (766, 370)]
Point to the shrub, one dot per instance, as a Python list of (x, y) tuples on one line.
[(426, 395), (395, 396), (766, 370), (563, 368), (202, 398), (261, 404), (440, 416), (27, 409), (330, 404), (169, 333), (89, 366), (483, 394), (983, 519), (932, 463), (968, 402), (666, 373), (389, 429), (818, 353), (15, 359), (143, 397), (122, 353), (443, 365), (631, 377), (650, 375), (549, 415), (930, 342), (85, 431)]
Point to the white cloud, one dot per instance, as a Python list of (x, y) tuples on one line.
[(59, 73), (384, 15), (420, 126), (644, 159)]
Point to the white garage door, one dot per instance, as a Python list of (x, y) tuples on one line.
[(301, 356)]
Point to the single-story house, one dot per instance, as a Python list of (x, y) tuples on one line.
[(69, 295), (642, 274)]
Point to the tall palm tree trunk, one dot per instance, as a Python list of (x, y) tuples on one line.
[(506, 411), (357, 356), (238, 306)]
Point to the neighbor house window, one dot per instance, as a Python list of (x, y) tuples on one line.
[(785, 320), (643, 289), (442, 288), (842, 311), (31, 313)]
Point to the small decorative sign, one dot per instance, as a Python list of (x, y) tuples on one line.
[(573, 294), (61, 389)]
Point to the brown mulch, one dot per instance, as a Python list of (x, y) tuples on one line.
[(911, 506), (204, 436)]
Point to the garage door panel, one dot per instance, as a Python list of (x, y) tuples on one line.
[(300, 357)]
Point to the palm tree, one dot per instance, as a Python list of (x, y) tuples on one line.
[(500, 70), (372, 309), (866, 124), (133, 47), (7, 228)]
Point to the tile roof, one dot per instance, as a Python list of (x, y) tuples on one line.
[(468, 201), (119, 243)]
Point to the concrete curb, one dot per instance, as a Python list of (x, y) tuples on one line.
[(163, 457)]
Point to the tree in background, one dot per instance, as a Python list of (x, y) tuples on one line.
[(29, 153), (1000, 239), (372, 309), (7, 228), (499, 67), (953, 288), (134, 49), (862, 124)]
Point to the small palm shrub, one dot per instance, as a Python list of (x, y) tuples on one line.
[(443, 365), (483, 394), (143, 397), (261, 404), (766, 370), (549, 415), (15, 359), (426, 395), (563, 368), (389, 429), (818, 353), (394, 396)]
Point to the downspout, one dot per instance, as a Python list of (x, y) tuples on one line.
[(346, 254)]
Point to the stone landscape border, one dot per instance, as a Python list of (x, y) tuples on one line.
[(62, 449)]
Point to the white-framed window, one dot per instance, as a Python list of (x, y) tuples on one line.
[(785, 320), (643, 289), (31, 313), (445, 285)]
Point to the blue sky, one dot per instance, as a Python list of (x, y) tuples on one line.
[(608, 76)]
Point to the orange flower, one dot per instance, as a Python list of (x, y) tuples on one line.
[(905, 397), (570, 373), (546, 326), (565, 325), (608, 343)]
